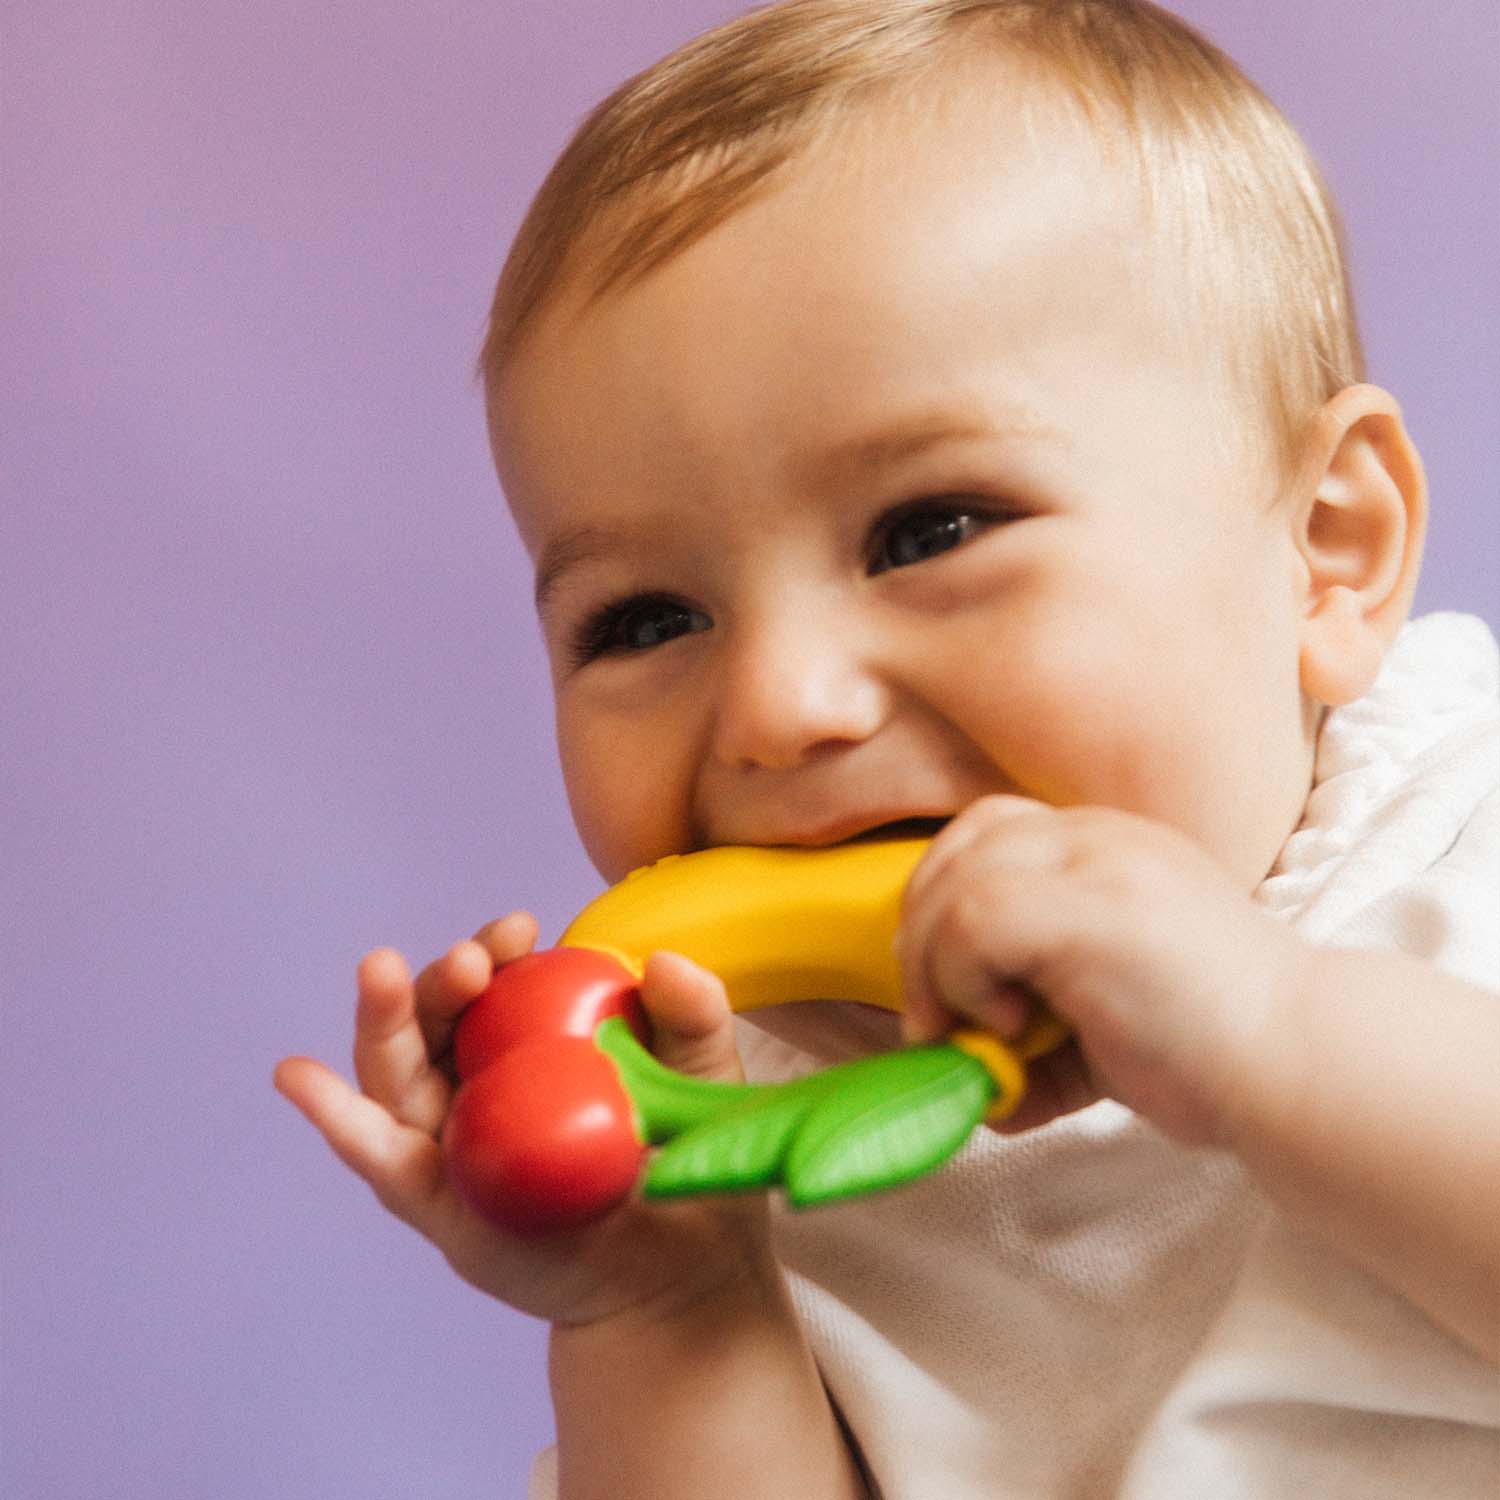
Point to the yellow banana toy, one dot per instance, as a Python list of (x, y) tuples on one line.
[(559, 1099), (773, 924)]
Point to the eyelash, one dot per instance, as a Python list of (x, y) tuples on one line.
[(598, 635)]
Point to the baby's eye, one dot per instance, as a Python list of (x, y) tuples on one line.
[(636, 625), (919, 532)]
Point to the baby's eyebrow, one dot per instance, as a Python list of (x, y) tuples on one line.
[(909, 436), (568, 550)]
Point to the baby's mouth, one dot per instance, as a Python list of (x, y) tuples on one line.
[(902, 828)]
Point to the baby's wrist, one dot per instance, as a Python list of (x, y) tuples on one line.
[(744, 1281), (665, 1339)]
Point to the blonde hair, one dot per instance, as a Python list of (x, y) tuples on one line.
[(677, 149)]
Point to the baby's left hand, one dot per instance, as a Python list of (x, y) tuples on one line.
[(1177, 987)]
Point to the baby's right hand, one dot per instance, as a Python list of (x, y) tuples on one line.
[(640, 1257)]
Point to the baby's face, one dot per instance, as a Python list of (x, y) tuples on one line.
[(892, 492)]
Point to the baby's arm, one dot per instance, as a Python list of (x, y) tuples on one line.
[(1358, 1088), (1383, 1130), (678, 1363), (719, 1397)]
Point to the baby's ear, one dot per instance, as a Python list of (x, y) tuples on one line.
[(1360, 519)]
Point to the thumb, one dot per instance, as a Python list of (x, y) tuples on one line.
[(692, 1026)]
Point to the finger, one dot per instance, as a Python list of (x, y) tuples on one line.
[(926, 1015), (972, 989), (1030, 830), (451, 983), (402, 1165), (445, 988), (949, 985), (981, 820), (692, 1026), (391, 1057), (508, 937), (964, 952), (923, 1017)]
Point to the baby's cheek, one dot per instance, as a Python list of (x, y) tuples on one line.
[(1073, 718), (603, 816), (626, 798)]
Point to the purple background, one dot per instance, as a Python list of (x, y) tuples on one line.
[(272, 692)]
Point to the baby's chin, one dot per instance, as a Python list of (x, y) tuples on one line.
[(1056, 1085)]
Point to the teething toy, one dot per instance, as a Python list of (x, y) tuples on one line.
[(559, 1099)]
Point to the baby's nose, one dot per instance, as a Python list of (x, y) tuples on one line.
[(792, 688)]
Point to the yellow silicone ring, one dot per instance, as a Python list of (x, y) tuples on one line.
[(1001, 1064)]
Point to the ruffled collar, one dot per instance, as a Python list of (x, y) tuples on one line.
[(1440, 679)]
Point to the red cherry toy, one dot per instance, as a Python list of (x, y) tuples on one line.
[(555, 992), (544, 1139)]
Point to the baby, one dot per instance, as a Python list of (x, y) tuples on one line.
[(953, 410)]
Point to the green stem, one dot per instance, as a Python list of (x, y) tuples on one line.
[(862, 1125), (666, 1102)]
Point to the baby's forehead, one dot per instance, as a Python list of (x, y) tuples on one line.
[(989, 106), (877, 211), (863, 162)]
